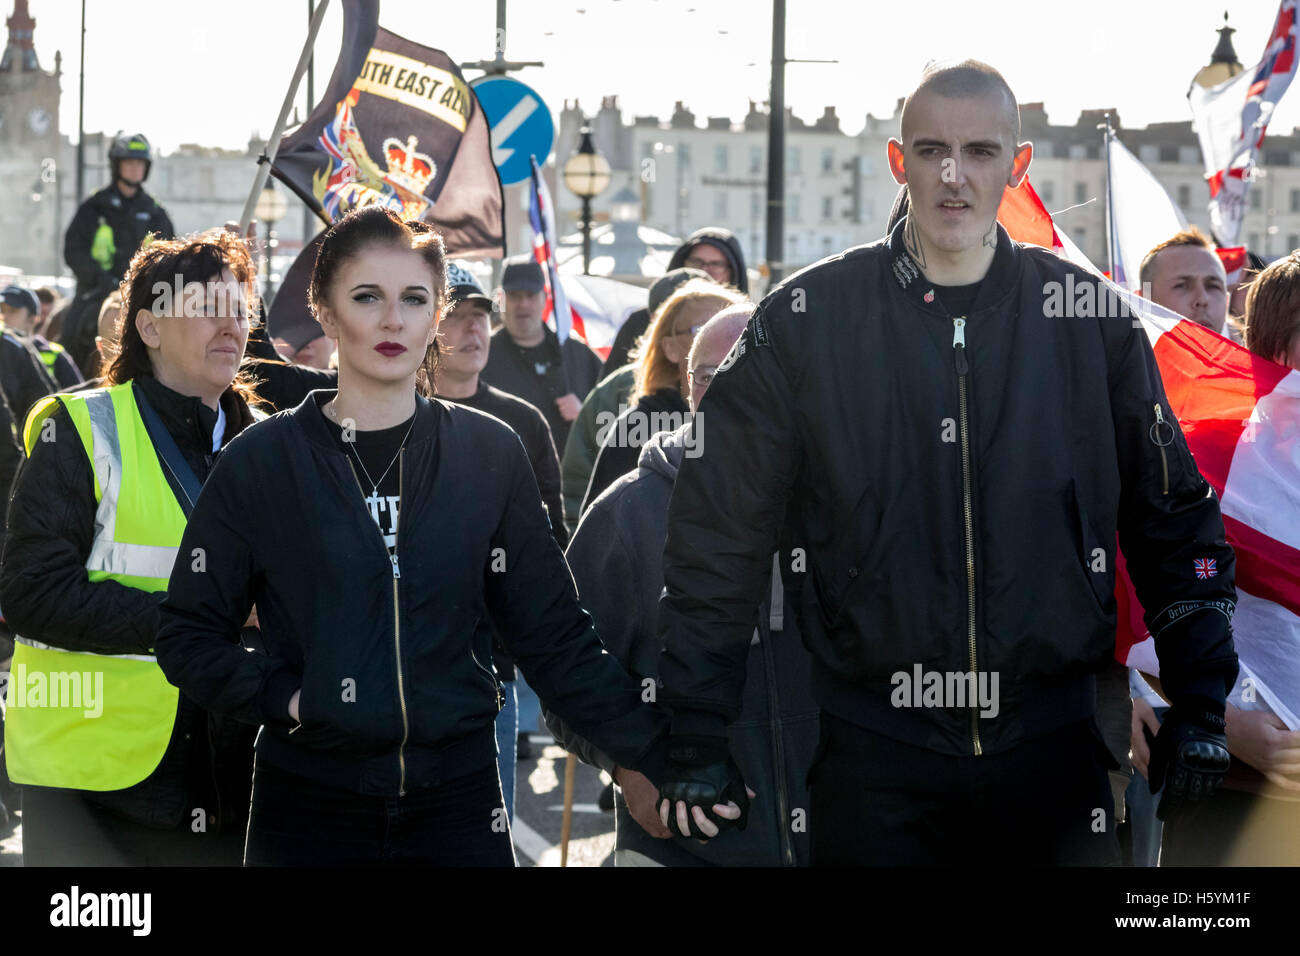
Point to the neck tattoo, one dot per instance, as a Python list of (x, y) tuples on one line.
[(912, 242), (991, 237)]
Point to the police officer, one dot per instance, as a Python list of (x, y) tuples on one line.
[(105, 233), (20, 312)]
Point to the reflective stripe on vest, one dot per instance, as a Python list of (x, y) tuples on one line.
[(96, 721), (49, 354)]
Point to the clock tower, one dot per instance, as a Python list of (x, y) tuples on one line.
[(29, 149), (29, 96)]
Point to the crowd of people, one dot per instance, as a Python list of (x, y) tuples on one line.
[(296, 600)]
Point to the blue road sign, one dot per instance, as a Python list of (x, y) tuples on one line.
[(521, 126)]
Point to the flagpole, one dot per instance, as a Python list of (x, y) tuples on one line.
[(273, 143), (1110, 209)]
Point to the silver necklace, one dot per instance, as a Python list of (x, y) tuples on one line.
[(374, 485)]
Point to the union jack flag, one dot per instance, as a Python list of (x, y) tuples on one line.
[(541, 216), (1205, 568), (1232, 117)]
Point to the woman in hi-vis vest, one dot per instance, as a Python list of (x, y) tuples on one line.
[(116, 766)]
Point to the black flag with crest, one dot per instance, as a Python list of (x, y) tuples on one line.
[(398, 125)]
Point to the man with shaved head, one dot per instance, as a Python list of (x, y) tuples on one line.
[(949, 460)]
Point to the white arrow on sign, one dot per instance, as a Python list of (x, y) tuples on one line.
[(506, 126)]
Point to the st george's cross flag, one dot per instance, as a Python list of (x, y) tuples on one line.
[(1241, 416)]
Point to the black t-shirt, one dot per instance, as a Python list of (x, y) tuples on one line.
[(540, 357), (957, 299), (377, 451)]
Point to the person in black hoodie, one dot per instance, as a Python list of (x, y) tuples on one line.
[(180, 374), (661, 382), (713, 251), (381, 536)]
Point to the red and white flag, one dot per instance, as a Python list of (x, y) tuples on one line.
[(1241, 416), (1141, 213), (1232, 117)]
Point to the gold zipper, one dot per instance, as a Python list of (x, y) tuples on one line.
[(1164, 458), (397, 639), (397, 626), (963, 369), (496, 688)]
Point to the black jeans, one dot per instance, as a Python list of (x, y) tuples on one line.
[(295, 821), (875, 801)]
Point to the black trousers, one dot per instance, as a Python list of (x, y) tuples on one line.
[(879, 802), (295, 821)]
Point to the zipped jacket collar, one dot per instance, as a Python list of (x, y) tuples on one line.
[(998, 285), (311, 419)]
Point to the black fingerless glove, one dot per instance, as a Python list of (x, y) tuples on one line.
[(1189, 757), (700, 772)]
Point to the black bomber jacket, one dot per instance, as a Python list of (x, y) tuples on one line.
[(393, 654), (954, 486)]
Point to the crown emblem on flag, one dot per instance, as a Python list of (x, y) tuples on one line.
[(407, 168)]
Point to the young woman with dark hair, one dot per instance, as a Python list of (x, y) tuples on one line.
[(380, 534), (117, 768)]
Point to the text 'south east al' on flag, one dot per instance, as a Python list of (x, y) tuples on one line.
[(398, 126)]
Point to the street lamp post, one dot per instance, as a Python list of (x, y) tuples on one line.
[(271, 207), (586, 173)]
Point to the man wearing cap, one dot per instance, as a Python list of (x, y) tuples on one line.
[(23, 378), (528, 360), (304, 348), (463, 337), (20, 310), (464, 334)]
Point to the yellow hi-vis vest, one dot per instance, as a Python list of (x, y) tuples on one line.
[(97, 721), (49, 353)]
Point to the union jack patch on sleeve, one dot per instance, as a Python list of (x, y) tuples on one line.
[(1205, 568)]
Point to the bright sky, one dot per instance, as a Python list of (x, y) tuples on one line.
[(186, 71)]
